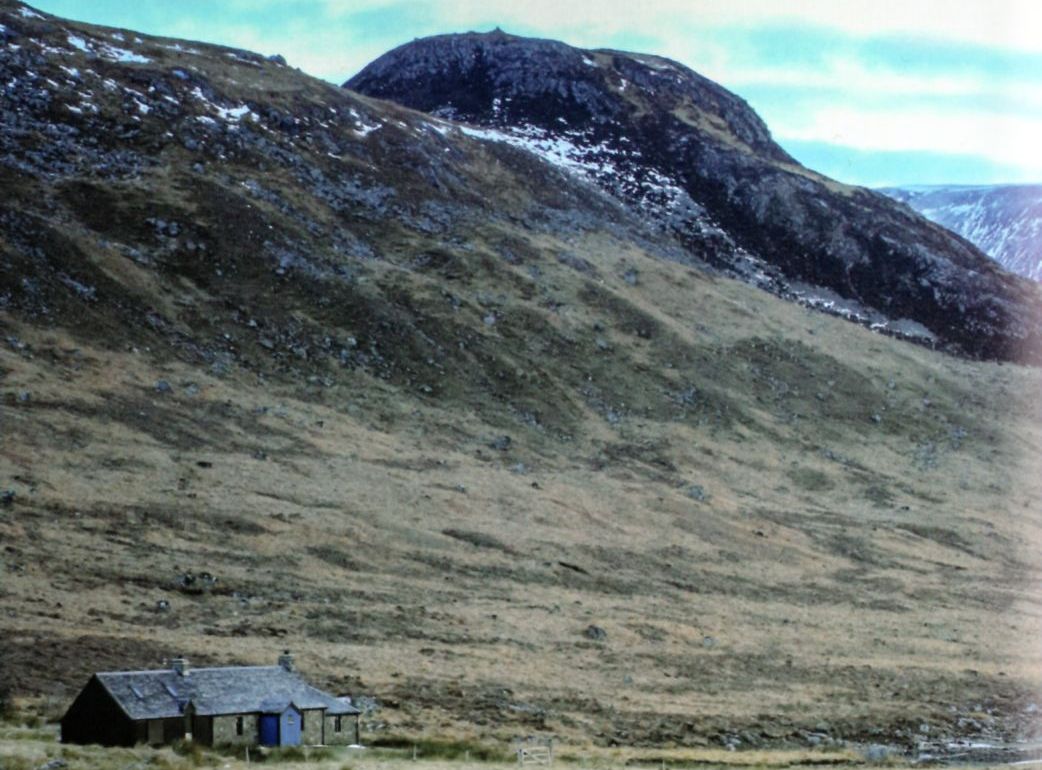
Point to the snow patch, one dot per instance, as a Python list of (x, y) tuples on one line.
[(123, 55), (226, 114), (181, 49), (442, 128), (106, 51), (365, 129), (598, 161), (79, 43), (28, 13), (233, 113)]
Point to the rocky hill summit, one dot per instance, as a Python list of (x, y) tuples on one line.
[(1004, 221), (697, 160)]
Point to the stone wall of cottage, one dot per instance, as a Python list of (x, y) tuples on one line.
[(225, 733), (311, 735), (348, 730)]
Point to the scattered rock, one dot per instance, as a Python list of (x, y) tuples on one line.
[(501, 443), (196, 584), (573, 567), (7, 498), (162, 606), (162, 386), (698, 493), (596, 633)]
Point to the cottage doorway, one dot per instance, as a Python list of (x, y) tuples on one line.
[(269, 730)]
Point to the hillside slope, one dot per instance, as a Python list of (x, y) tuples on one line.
[(1004, 221), (695, 158), (285, 366)]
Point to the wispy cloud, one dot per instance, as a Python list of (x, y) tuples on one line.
[(1006, 24)]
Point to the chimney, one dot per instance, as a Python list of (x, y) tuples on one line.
[(180, 666), (286, 660)]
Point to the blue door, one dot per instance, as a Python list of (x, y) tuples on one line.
[(289, 727), (269, 730)]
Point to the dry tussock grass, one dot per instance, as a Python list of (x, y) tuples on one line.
[(840, 570)]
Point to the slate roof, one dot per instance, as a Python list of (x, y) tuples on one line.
[(231, 690)]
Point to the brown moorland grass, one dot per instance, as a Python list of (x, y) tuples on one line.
[(781, 523)]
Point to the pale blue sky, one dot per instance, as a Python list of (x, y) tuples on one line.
[(869, 92)]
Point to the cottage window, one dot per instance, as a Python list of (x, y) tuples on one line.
[(337, 724), (238, 725)]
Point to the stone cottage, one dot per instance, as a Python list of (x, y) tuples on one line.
[(245, 705)]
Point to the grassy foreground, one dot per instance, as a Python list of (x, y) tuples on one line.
[(23, 747)]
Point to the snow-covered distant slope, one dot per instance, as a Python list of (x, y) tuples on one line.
[(1004, 221)]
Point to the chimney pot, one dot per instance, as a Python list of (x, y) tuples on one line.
[(286, 660), (180, 666)]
